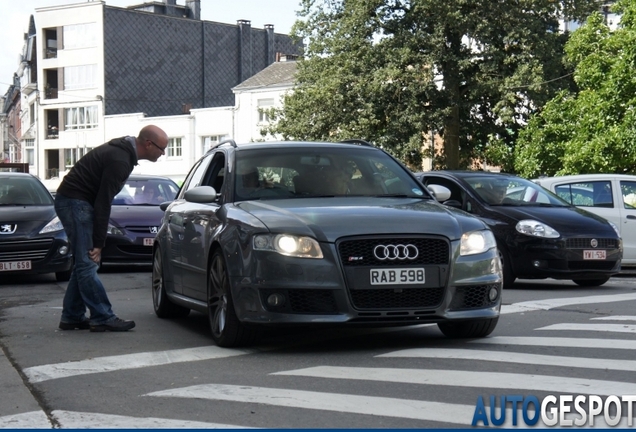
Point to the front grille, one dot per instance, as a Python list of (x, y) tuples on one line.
[(360, 252), (585, 243), (20, 250), (591, 265), (136, 249), (391, 298), (472, 297), (302, 301)]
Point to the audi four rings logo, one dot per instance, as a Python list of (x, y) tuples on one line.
[(395, 252)]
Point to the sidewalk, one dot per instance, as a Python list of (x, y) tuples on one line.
[(18, 408)]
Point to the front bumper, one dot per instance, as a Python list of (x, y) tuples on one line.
[(307, 291)]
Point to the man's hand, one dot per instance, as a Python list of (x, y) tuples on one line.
[(95, 254)]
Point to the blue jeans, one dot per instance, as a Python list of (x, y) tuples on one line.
[(84, 289)]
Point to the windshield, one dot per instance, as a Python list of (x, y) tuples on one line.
[(275, 173), (147, 191), (23, 191), (512, 191)]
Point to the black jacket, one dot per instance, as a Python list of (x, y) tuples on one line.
[(97, 177)]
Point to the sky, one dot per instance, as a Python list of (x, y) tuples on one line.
[(16, 13)]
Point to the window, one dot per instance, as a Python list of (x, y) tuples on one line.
[(80, 77), (174, 149), (81, 117), (587, 194), (628, 190), (71, 156), (29, 151), (263, 106), (80, 35), (208, 141)]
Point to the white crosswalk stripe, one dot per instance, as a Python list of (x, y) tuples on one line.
[(521, 358), (371, 405), (615, 328), (129, 361), (619, 344), (458, 378), (79, 420)]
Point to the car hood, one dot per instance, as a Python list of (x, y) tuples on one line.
[(27, 218), (562, 219), (136, 215), (328, 219)]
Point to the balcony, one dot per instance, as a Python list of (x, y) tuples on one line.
[(50, 93)]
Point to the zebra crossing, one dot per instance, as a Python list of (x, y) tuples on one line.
[(456, 414)]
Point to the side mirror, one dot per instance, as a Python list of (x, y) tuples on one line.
[(441, 193), (201, 194)]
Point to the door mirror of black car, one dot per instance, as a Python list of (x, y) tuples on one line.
[(201, 194), (441, 193)]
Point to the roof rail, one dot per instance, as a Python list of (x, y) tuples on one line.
[(358, 141), (227, 141)]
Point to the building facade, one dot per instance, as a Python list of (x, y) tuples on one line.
[(154, 61)]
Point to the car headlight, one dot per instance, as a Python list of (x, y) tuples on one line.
[(615, 228), (54, 225), (289, 245), (536, 229), (475, 242), (113, 230)]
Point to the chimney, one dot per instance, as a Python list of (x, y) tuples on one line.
[(194, 8), (245, 49), (271, 54)]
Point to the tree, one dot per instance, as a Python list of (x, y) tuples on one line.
[(390, 71), (591, 129)]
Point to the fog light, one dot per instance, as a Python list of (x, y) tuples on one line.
[(536, 263), (275, 300), (63, 250), (493, 293)]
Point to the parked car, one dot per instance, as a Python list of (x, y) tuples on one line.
[(538, 234), (32, 239), (611, 196), (299, 233), (135, 219)]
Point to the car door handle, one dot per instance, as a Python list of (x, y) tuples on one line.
[(631, 217)]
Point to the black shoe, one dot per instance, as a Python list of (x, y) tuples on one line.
[(117, 325), (84, 325)]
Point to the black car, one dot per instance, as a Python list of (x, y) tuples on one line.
[(298, 233), (539, 235), (32, 239), (135, 218)]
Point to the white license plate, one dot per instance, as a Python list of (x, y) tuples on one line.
[(594, 255), (402, 276), (148, 241), (15, 265)]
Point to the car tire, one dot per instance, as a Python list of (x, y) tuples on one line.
[(591, 282), (227, 330), (508, 275), (164, 307), (468, 329)]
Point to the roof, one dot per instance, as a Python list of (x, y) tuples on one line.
[(275, 75)]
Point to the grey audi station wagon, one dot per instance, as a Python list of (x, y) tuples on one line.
[(318, 233)]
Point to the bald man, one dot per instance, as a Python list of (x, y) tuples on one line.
[(82, 202)]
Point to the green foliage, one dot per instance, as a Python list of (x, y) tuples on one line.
[(591, 129), (390, 71)]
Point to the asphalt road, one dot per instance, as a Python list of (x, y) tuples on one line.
[(553, 338)]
